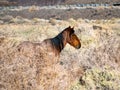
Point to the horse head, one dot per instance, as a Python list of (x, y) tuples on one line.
[(72, 38)]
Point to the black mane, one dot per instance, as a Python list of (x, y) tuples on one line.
[(58, 42)]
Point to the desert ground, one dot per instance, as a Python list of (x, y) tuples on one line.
[(95, 66)]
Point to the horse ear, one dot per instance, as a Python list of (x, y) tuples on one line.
[(69, 27), (72, 28)]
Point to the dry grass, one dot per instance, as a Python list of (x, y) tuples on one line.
[(98, 79), (100, 49), (33, 8)]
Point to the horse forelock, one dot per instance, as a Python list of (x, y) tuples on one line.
[(69, 30)]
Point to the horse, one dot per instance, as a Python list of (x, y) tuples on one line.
[(48, 51), (55, 44)]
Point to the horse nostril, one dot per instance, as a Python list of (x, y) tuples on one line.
[(78, 46)]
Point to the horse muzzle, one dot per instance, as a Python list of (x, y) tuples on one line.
[(78, 46)]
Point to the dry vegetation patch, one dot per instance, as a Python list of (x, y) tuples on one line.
[(95, 66)]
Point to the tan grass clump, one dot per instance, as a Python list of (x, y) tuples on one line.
[(33, 8)]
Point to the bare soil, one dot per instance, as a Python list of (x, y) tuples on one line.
[(54, 2), (90, 13)]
